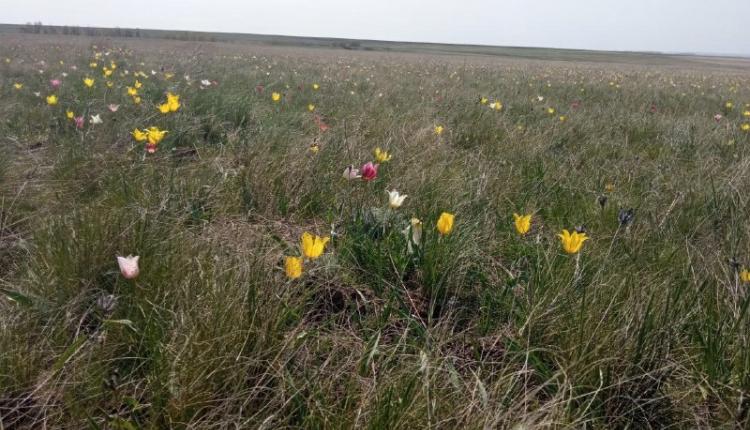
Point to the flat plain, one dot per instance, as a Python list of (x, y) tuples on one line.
[(440, 310)]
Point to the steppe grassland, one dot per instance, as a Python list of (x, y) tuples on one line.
[(645, 326)]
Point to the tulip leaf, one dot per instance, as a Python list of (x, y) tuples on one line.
[(17, 297)]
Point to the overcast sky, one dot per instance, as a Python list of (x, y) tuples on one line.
[(704, 26)]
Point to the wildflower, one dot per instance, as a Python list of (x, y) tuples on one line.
[(69, 114), (382, 156), (439, 129), (275, 96), (18, 85), (729, 105), (164, 108), (205, 83), (415, 228), (132, 91), (369, 171), (483, 100), (563, 118), (96, 119), (155, 135), (93, 65), (313, 246), (293, 267), (745, 126), (496, 105), (351, 173), (107, 72), (551, 110), (572, 243), (746, 114), (311, 107), (52, 100), (745, 275), (128, 266), (522, 223), (137, 84), (137, 100), (316, 87), (395, 200), (173, 101), (88, 82), (139, 136), (314, 147), (79, 122), (445, 223), (55, 83), (113, 108), (718, 117)]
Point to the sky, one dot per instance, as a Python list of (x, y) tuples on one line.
[(696, 26)]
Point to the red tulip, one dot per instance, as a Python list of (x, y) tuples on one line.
[(369, 171)]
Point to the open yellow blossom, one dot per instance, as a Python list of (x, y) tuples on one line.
[(132, 91), (572, 242), (746, 114), (483, 100), (155, 135), (69, 114), (496, 105), (382, 156), (293, 267), (745, 275), (316, 86), (745, 126), (311, 107), (93, 65), (551, 111), (110, 84), (445, 223), (313, 246), (522, 223), (729, 105), (18, 85), (107, 72), (137, 84), (439, 129), (52, 100), (173, 101), (136, 100), (164, 108), (139, 136), (88, 82), (275, 96)]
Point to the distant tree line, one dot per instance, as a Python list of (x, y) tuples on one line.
[(39, 28)]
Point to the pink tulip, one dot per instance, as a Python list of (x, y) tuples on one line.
[(79, 122), (55, 83), (369, 171), (351, 173), (128, 266), (718, 117)]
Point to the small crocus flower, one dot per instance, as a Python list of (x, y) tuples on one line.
[(88, 82), (276, 97), (55, 83), (313, 246), (351, 173), (572, 242), (745, 275), (52, 100), (439, 129), (369, 171), (128, 266), (522, 223), (395, 200), (79, 120), (293, 267), (96, 119), (382, 156), (445, 223)]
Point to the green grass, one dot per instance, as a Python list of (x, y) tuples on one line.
[(483, 328)]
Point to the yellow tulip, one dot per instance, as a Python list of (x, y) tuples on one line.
[(311, 107), (69, 114), (275, 96), (88, 82), (293, 267), (745, 126), (313, 246), (382, 156), (316, 86), (52, 100), (18, 85), (572, 243), (445, 223), (522, 223), (137, 100), (173, 101), (745, 275), (140, 136), (93, 65), (155, 135), (137, 84), (110, 84), (132, 91), (483, 100), (439, 130), (164, 108)]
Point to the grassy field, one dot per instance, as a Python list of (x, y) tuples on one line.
[(398, 321)]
